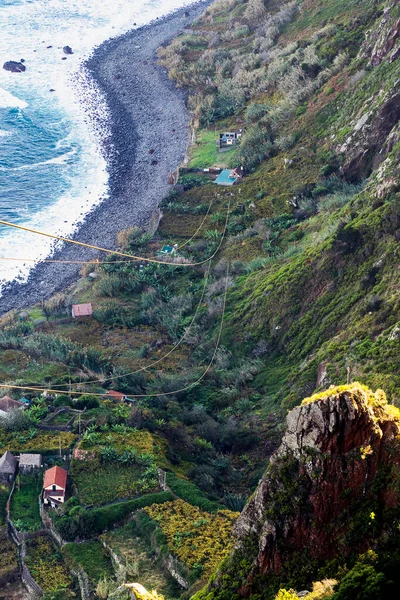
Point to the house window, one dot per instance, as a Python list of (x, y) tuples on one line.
[(54, 488)]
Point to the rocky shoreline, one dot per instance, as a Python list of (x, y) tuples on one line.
[(149, 125)]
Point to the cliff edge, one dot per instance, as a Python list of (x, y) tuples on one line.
[(330, 494)]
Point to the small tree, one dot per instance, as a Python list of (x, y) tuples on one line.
[(255, 10)]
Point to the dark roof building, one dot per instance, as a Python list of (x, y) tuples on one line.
[(8, 466)]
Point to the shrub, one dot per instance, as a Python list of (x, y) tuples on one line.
[(256, 145), (255, 112), (191, 493), (87, 401), (62, 400), (16, 420), (362, 582), (255, 10)]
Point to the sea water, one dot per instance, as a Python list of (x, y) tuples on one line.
[(52, 171)]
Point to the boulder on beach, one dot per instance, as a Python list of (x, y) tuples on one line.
[(67, 50), (14, 66)]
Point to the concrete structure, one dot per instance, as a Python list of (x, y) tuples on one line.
[(29, 462), (228, 139), (82, 310)]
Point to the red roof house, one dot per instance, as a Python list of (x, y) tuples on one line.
[(118, 396), (54, 486), (82, 310)]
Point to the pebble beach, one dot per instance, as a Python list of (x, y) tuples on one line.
[(148, 135)]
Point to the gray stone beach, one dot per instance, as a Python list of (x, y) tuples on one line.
[(150, 132)]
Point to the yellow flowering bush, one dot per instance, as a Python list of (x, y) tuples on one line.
[(195, 537), (46, 565), (42, 441)]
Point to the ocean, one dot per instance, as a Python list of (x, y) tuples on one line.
[(52, 172)]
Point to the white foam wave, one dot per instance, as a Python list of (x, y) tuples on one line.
[(4, 133), (57, 160), (7, 100), (48, 26)]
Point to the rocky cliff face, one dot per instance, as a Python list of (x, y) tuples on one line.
[(328, 489), (375, 128)]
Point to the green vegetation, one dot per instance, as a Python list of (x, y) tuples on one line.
[(109, 483), (191, 493), (24, 509), (90, 556), (306, 258), (75, 520), (205, 152), (4, 493), (46, 565), (8, 555), (137, 558)]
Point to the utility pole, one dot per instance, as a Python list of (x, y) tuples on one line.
[(59, 439)]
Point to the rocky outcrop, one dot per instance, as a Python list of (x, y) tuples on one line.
[(338, 461), (375, 128), (14, 66), (67, 50), (384, 42), (366, 148)]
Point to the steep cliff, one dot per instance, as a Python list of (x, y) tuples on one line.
[(330, 494)]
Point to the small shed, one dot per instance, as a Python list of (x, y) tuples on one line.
[(30, 462), (168, 250), (8, 466), (82, 310)]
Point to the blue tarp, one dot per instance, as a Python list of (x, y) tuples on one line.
[(224, 178)]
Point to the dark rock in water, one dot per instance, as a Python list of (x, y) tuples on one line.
[(14, 66), (22, 60), (64, 58), (49, 47), (51, 90), (67, 50)]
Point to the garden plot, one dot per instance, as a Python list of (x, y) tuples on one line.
[(91, 557), (198, 539), (47, 566), (134, 555), (25, 502)]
